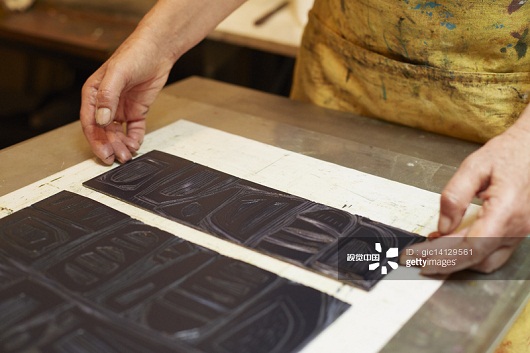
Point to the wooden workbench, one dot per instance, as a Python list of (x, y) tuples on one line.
[(94, 30), (397, 153)]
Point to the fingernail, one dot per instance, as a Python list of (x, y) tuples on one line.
[(444, 225), (103, 116), (109, 159), (434, 235)]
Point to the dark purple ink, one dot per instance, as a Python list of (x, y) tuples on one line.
[(78, 276), (285, 226)]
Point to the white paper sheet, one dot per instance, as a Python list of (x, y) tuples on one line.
[(375, 316)]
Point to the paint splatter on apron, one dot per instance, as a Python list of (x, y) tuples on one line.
[(460, 68)]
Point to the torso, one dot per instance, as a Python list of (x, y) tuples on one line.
[(459, 68)]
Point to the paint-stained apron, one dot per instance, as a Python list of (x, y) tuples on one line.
[(460, 68)]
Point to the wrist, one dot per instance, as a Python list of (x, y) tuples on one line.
[(523, 122), (160, 28), (175, 26)]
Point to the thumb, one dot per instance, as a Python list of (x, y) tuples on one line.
[(108, 97), (470, 179)]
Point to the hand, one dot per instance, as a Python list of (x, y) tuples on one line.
[(121, 91), (117, 97), (499, 175)]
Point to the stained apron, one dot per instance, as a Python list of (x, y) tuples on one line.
[(459, 68)]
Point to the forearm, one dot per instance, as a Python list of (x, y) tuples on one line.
[(175, 26)]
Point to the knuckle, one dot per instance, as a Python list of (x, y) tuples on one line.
[(484, 247), (476, 163), (481, 252), (473, 160), (87, 88), (451, 200), (104, 96), (88, 91), (486, 267)]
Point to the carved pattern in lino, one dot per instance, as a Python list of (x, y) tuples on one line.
[(78, 276), (288, 227)]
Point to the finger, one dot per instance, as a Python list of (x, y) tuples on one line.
[(108, 95), (489, 241), (453, 253), (471, 178), (95, 135), (132, 145), (121, 151), (498, 211), (117, 139), (467, 253), (135, 134), (446, 254), (470, 247), (99, 143), (470, 253), (123, 145), (493, 224), (495, 260), (130, 141), (465, 249)]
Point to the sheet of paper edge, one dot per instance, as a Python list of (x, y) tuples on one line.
[(375, 316)]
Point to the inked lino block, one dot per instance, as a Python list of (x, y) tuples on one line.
[(76, 275), (285, 226)]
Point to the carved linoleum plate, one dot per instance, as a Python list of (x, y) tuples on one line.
[(285, 226), (78, 276)]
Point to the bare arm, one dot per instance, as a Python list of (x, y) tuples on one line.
[(118, 95), (178, 25)]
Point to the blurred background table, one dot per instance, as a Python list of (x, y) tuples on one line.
[(50, 50)]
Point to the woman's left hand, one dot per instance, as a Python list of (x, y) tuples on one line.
[(499, 175)]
